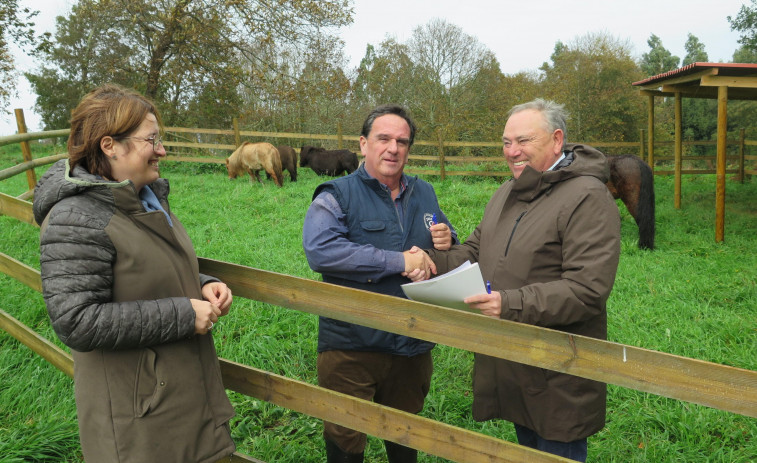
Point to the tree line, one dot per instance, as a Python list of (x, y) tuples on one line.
[(278, 65)]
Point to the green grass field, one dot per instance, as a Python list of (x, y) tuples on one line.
[(691, 297)]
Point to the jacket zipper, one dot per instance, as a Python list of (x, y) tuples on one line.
[(512, 233), (406, 201)]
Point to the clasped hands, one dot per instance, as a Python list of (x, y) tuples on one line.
[(418, 265), (216, 303)]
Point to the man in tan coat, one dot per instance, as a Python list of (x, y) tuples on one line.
[(549, 243)]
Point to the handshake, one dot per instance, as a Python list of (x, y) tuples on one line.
[(418, 265)]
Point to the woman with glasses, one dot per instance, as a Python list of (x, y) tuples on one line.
[(123, 290)]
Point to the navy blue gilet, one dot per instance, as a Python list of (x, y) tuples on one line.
[(373, 219)]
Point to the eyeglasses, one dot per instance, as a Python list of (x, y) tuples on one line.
[(156, 141)]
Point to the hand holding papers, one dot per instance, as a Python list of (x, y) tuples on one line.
[(449, 289)]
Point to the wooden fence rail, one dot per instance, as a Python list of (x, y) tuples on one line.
[(714, 385), (430, 436), (705, 383), (442, 158)]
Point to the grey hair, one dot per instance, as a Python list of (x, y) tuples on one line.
[(554, 114)]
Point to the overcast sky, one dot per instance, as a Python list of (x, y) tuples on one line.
[(521, 34)]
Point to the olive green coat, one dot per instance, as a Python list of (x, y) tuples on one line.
[(549, 243), (117, 281)]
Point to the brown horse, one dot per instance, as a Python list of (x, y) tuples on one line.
[(632, 180), (288, 160), (254, 157)]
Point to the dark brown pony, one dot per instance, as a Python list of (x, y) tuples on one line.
[(632, 180)]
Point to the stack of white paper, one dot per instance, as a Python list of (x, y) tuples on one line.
[(449, 289)]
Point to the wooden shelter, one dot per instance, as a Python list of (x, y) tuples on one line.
[(721, 81)]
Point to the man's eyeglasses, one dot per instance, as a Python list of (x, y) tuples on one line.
[(156, 141)]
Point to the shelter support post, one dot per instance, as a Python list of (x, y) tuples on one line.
[(742, 150), (650, 131), (720, 170), (678, 151)]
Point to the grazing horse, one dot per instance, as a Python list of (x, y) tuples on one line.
[(251, 158), (288, 160), (331, 162), (632, 180)]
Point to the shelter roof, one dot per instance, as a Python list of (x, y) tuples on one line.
[(701, 80)]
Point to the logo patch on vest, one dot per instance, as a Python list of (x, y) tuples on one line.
[(428, 219)]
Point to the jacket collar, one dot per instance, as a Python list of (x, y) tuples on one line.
[(405, 182), (580, 160)]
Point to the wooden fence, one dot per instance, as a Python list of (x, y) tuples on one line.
[(440, 163), (185, 144), (705, 383)]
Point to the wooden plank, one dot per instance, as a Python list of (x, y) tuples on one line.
[(678, 152), (63, 361), (21, 137), (252, 133), (712, 158), (16, 208), (26, 195), (729, 81), (650, 130), (428, 435), (742, 152), (480, 173), (691, 380), (20, 271), (694, 171), (196, 159), (198, 130), (720, 164), (684, 79), (18, 168), (614, 144), (26, 151), (475, 159), (28, 337), (462, 144), (211, 146), (411, 430)]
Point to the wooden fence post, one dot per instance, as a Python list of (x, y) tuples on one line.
[(742, 137), (26, 151), (237, 137), (339, 139), (441, 153), (641, 143)]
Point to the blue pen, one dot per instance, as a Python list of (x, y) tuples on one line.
[(433, 219), (488, 287)]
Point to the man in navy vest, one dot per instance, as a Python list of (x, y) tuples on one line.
[(366, 230)]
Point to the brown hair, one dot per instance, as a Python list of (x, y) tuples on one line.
[(109, 110), (384, 110)]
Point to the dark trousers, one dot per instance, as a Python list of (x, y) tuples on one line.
[(576, 450), (392, 380)]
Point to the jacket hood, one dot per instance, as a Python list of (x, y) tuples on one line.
[(588, 162), (60, 182)]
